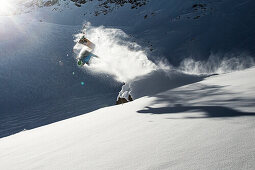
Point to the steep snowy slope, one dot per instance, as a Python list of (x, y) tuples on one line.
[(171, 28), (40, 82), (205, 125)]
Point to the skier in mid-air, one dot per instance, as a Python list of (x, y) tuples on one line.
[(87, 54)]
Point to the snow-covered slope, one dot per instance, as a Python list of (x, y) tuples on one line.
[(40, 82), (204, 125), (173, 29)]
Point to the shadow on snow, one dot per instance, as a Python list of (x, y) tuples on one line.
[(210, 111), (209, 99)]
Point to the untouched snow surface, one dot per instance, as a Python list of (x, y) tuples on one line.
[(204, 125)]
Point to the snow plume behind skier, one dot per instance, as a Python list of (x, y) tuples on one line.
[(127, 62), (122, 59)]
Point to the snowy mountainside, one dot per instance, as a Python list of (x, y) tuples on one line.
[(204, 125), (163, 40), (169, 28), (40, 81), (126, 61)]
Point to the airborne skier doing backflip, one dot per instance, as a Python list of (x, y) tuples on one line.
[(86, 54)]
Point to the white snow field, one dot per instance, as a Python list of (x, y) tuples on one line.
[(204, 125)]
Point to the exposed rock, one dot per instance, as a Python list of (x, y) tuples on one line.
[(199, 6), (106, 6), (121, 101), (130, 98), (51, 3), (78, 5), (124, 100), (197, 17)]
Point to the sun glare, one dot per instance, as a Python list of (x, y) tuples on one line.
[(7, 7)]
